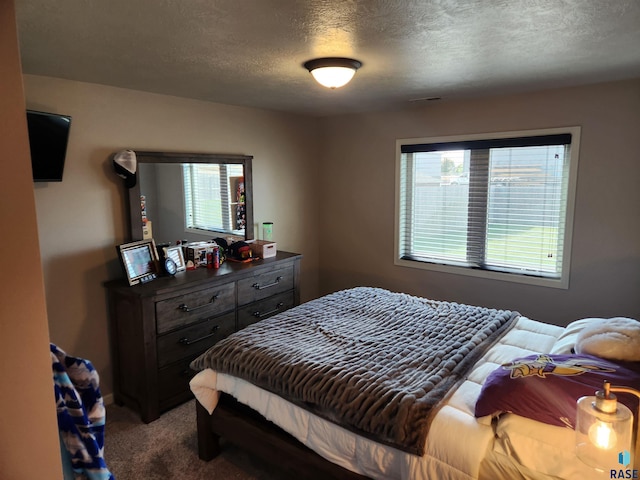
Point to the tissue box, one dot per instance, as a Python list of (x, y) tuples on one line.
[(263, 249)]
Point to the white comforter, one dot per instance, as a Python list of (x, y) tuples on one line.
[(457, 441)]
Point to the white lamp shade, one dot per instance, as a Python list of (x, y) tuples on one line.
[(333, 72), (601, 436), (333, 77)]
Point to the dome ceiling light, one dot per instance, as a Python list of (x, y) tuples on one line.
[(333, 72)]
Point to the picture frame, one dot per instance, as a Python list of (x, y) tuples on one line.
[(176, 254), (139, 261)]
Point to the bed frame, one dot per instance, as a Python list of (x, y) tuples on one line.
[(249, 430)]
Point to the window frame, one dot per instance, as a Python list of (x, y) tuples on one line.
[(563, 281)]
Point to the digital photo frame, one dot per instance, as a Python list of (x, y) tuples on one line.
[(139, 261)]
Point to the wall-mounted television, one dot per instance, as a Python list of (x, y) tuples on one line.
[(48, 138)]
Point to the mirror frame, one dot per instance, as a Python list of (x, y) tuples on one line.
[(135, 217)]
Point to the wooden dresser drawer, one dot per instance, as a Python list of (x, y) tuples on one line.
[(264, 285), (194, 306), (265, 308), (173, 381), (190, 341)]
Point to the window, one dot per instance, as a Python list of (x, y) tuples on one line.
[(214, 197), (497, 206)]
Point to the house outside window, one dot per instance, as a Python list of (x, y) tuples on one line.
[(497, 206)]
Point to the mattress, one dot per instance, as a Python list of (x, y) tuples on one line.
[(459, 446)]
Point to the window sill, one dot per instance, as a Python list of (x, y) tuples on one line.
[(562, 283)]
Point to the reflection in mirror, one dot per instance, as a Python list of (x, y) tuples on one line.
[(214, 197), (191, 197)]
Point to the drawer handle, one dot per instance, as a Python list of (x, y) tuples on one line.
[(271, 312), (186, 341), (257, 286), (187, 309)]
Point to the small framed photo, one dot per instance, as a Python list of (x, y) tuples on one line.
[(139, 260), (175, 253)]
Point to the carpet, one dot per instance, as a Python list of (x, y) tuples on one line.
[(167, 449)]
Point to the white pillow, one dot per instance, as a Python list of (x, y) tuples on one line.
[(567, 341), (615, 338)]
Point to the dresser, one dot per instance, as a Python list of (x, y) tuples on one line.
[(157, 328)]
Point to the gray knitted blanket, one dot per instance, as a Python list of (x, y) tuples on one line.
[(369, 360)]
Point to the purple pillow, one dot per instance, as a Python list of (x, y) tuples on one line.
[(546, 387)]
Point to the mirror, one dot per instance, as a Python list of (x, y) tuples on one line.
[(191, 196)]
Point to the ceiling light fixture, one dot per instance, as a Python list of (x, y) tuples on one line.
[(333, 72)]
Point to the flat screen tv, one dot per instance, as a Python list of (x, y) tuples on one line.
[(48, 138)]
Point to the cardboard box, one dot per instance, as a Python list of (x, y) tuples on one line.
[(264, 249), (197, 252)]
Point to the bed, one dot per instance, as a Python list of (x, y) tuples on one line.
[(368, 383)]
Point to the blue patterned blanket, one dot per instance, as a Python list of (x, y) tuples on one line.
[(81, 414)]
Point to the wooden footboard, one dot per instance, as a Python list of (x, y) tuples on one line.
[(249, 430)]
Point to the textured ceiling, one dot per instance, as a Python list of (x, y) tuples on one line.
[(250, 52)]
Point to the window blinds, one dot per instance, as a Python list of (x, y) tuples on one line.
[(211, 196), (486, 204)]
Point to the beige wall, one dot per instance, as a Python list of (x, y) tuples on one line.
[(82, 218), (29, 445), (357, 216)]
